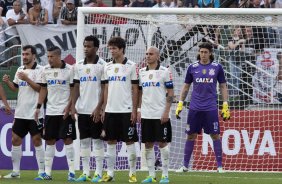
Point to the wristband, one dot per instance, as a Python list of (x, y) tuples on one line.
[(138, 109), (38, 106)]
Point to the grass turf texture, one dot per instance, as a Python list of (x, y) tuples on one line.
[(121, 177)]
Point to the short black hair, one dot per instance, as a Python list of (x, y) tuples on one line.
[(206, 45), (118, 42), (55, 49), (32, 48), (94, 39)]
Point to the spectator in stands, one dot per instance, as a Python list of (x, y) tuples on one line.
[(142, 3), (48, 5), (69, 13), (208, 3), (189, 3), (15, 16), (180, 4), (58, 4), (125, 3), (37, 14), (248, 56), (278, 4), (166, 4), (119, 3), (3, 26), (236, 45), (6, 5), (279, 58), (100, 3)]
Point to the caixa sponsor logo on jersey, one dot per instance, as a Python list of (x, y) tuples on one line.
[(23, 83), (117, 78), (150, 84), (88, 78), (204, 80), (56, 82)]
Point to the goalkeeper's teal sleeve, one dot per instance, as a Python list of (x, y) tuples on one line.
[(179, 109), (225, 113)]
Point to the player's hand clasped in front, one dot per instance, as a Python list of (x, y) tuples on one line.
[(179, 109), (225, 113)]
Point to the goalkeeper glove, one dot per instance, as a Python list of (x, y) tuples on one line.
[(179, 109), (225, 113)]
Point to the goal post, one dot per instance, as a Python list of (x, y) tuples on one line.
[(247, 42)]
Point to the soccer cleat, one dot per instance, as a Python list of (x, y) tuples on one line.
[(71, 176), (83, 177), (220, 170), (96, 179), (107, 178), (132, 179), (149, 179), (182, 169), (12, 175), (40, 176), (164, 179)]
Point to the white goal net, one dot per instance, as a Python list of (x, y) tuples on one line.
[(248, 43)]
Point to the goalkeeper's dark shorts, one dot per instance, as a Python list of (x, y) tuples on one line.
[(207, 120), (153, 131), (118, 127)]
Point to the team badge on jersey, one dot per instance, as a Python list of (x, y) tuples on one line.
[(204, 71), (56, 74), (212, 72), (87, 70), (150, 76), (116, 70)]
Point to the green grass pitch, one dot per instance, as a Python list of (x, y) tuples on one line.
[(121, 177)]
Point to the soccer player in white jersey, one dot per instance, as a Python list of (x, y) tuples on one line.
[(87, 101), (121, 97), (27, 82), (56, 85), (156, 96)]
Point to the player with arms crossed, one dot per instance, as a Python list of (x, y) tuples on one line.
[(87, 100), (121, 97), (156, 96), (57, 79), (27, 82), (203, 111)]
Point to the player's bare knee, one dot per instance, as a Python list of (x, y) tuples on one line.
[(215, 136), (68, 141), (16, 140), (191, 137), (129, 143), (51, 142), (112, 142), (36, 140), (162, 144), (149, 145)]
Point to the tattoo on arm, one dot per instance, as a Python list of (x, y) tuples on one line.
[(169, 99)]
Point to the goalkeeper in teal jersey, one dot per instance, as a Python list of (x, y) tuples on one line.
[(203, 112)]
